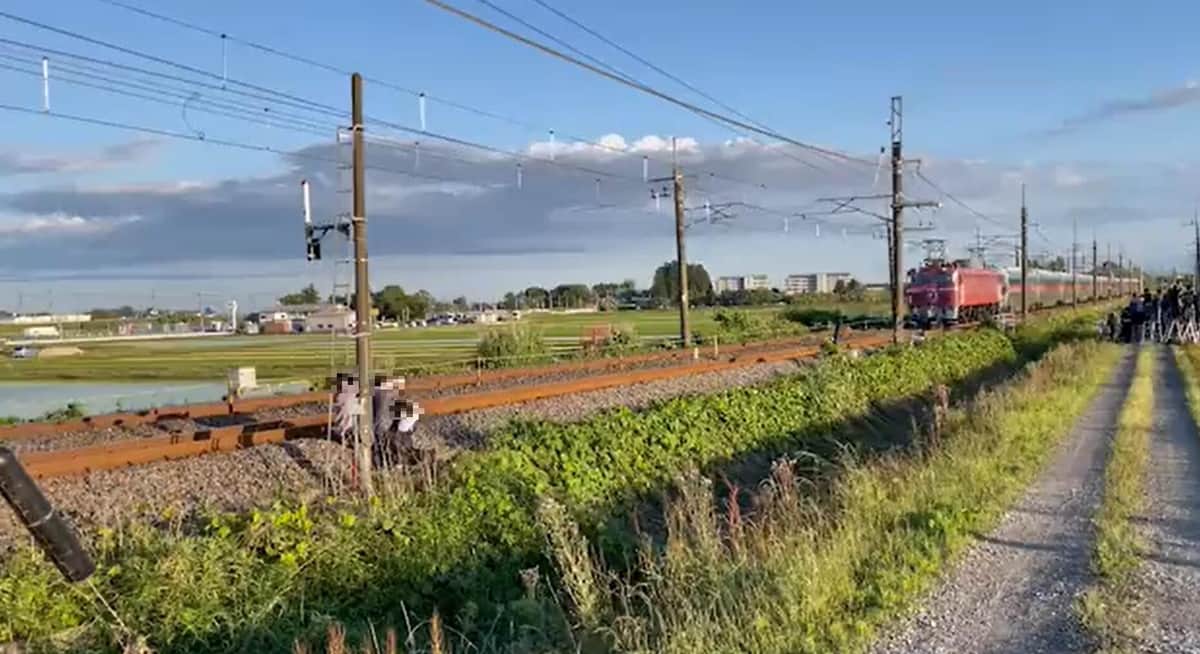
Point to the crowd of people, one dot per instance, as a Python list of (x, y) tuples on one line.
[(1159, 315), (394, 416)]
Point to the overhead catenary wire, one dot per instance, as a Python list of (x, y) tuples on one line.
[(420, 95), (651, 65), (734, 122)]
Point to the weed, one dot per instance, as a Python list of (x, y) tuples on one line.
[(1109, 608)]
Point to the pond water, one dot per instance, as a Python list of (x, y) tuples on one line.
[(32, 399)]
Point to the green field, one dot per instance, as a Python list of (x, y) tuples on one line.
[(313, 356)]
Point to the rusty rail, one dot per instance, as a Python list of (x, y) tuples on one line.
[(235, 406), (119, 454)]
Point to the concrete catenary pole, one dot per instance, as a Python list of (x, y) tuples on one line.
[(897, 125), (1095, 286), (1196, 225), (362, 292), (1024, 257), (685, 332)]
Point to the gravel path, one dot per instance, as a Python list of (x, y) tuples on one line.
[(1169, 578), (238, 480), (1014, 590)]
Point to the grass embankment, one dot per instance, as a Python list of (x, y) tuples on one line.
[(1109, 609), (254, 582), (806, 576)]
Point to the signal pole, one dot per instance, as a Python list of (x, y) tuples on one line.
[(362, 291), (1074, 257), (896, 122), (1095, 292), (1024, 257)]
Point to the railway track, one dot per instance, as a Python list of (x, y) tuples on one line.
[(131, 452), (434, 384)]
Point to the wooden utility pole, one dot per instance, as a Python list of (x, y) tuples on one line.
[(897, 124), (1121, 272), (1074, 268), (1196, 225), (1108, 267), (685, 332), (1024, 257), (1095, 286), (681, 274), (362, 293), (899, 204)]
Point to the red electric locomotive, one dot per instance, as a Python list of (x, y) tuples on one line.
[(942, 292)]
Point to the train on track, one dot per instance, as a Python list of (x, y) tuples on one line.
[(948, 292)]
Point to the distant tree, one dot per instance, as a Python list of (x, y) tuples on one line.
[(666, 283), (307, 295), (510, 302), (537, 297), (120, 312), (840, 287), (460, 303), (572, 295), (392, 302)]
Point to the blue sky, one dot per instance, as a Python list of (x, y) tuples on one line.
[(1093, 108)]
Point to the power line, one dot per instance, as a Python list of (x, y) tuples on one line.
[(240, 145), (297, 58), (649, 64), (642, 87), (964, 205)]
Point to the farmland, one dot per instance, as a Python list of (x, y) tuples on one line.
[(311, 357)]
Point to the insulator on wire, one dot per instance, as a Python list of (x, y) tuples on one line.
[(520, 177), (707, 211), (552, 148), (416, 155), (597, 190), (224, 61), (645, 169), (421, 109), (818, 225), (45, 84)]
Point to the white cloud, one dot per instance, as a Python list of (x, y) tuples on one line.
[(60, 224)]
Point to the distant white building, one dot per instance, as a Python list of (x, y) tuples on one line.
[(822, 282), (743, 283), (47, 319), (337, 319)]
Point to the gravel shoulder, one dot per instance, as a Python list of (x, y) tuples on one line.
[(1168, 581), (1014, 589)]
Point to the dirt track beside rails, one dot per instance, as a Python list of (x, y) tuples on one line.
[(1014, 590)]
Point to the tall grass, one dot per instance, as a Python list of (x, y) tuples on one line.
[(819, 573), (1109, 608), (517, 345)]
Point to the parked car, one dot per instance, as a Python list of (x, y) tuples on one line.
[(24, 352)]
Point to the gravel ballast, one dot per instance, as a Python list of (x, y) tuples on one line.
[(246, 478), (1168, 581), (1014, 590)]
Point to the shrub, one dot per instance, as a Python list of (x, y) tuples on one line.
[(511, 346), (740, 326)]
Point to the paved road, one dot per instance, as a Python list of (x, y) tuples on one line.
[(1169, 579), (1014, 589)]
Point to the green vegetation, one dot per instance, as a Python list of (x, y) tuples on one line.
[(312, 356), (739, 326), (72, 411), (253, 582), (514, 345), (1109, 609), (818, 576)]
